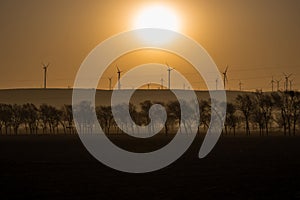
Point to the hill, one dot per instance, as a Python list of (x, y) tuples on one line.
[(59, 97)]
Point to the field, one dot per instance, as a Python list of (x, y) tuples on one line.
[(59, 97), (59, 167)]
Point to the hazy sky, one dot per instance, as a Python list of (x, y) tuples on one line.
[(256, 38)]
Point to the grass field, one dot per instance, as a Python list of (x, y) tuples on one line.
[(59, 167)]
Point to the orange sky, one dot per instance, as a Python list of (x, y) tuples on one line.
[(256, 38)]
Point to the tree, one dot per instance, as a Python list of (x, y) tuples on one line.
[(174, 114), (245, 105), (30, 114), (288, 104), (295, 106), (262, 115), (17, 117), (50, 117), (84, 113), (5, 116), (231, 118), (205, 114), (105, 117), (123, 114), (67, 118)]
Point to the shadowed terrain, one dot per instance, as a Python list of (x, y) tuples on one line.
[(59, 167)]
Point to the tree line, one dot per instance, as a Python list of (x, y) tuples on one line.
[(259, 112)]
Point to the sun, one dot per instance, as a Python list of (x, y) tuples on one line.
[(158, 16)]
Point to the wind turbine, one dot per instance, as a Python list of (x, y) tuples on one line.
[(278, 84), (45, 67), (217, 82), (287, 81), (225, 79), (240, 84), (291, 84), (272, 83), (169, 75), (119, 77), (162, 83), (109, 79)]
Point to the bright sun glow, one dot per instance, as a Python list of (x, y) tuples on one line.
[(157, 17)]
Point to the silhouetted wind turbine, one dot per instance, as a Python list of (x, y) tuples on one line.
[(45, 67), (240, 84), (225, 79), (169, 75), (291, 84), (272, 83), (278, 84), (119, 78), (287, 81), (217, 82)]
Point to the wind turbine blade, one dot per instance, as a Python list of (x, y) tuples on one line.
[(226, 69)]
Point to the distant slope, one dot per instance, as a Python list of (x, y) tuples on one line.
[(59, 97)]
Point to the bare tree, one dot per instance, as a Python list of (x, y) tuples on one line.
[(205, 114), (288, 104), (295, 106), (5, 116), (262, 105), (17, 117), (30, 114), (67, 119), (105, 117), (231, 118), (245, 105)]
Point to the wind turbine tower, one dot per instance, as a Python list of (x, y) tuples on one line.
[(291, 84), (162, 83), (169, 76), (272, 83), (278, 84), (119, 78), (217, 82), (225, 79), (240, 84), (287, 81), (45, 67)]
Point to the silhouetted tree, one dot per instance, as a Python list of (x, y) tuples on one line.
[(295, 106), (67, 119), (5, 116), (84, 117), (30, 114), (262, 111), (245, 105), (231, 118), (288, 104), (105, 117), (17, 117), (174, 114), (205, 113)]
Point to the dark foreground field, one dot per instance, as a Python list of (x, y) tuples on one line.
[(59, 167)]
